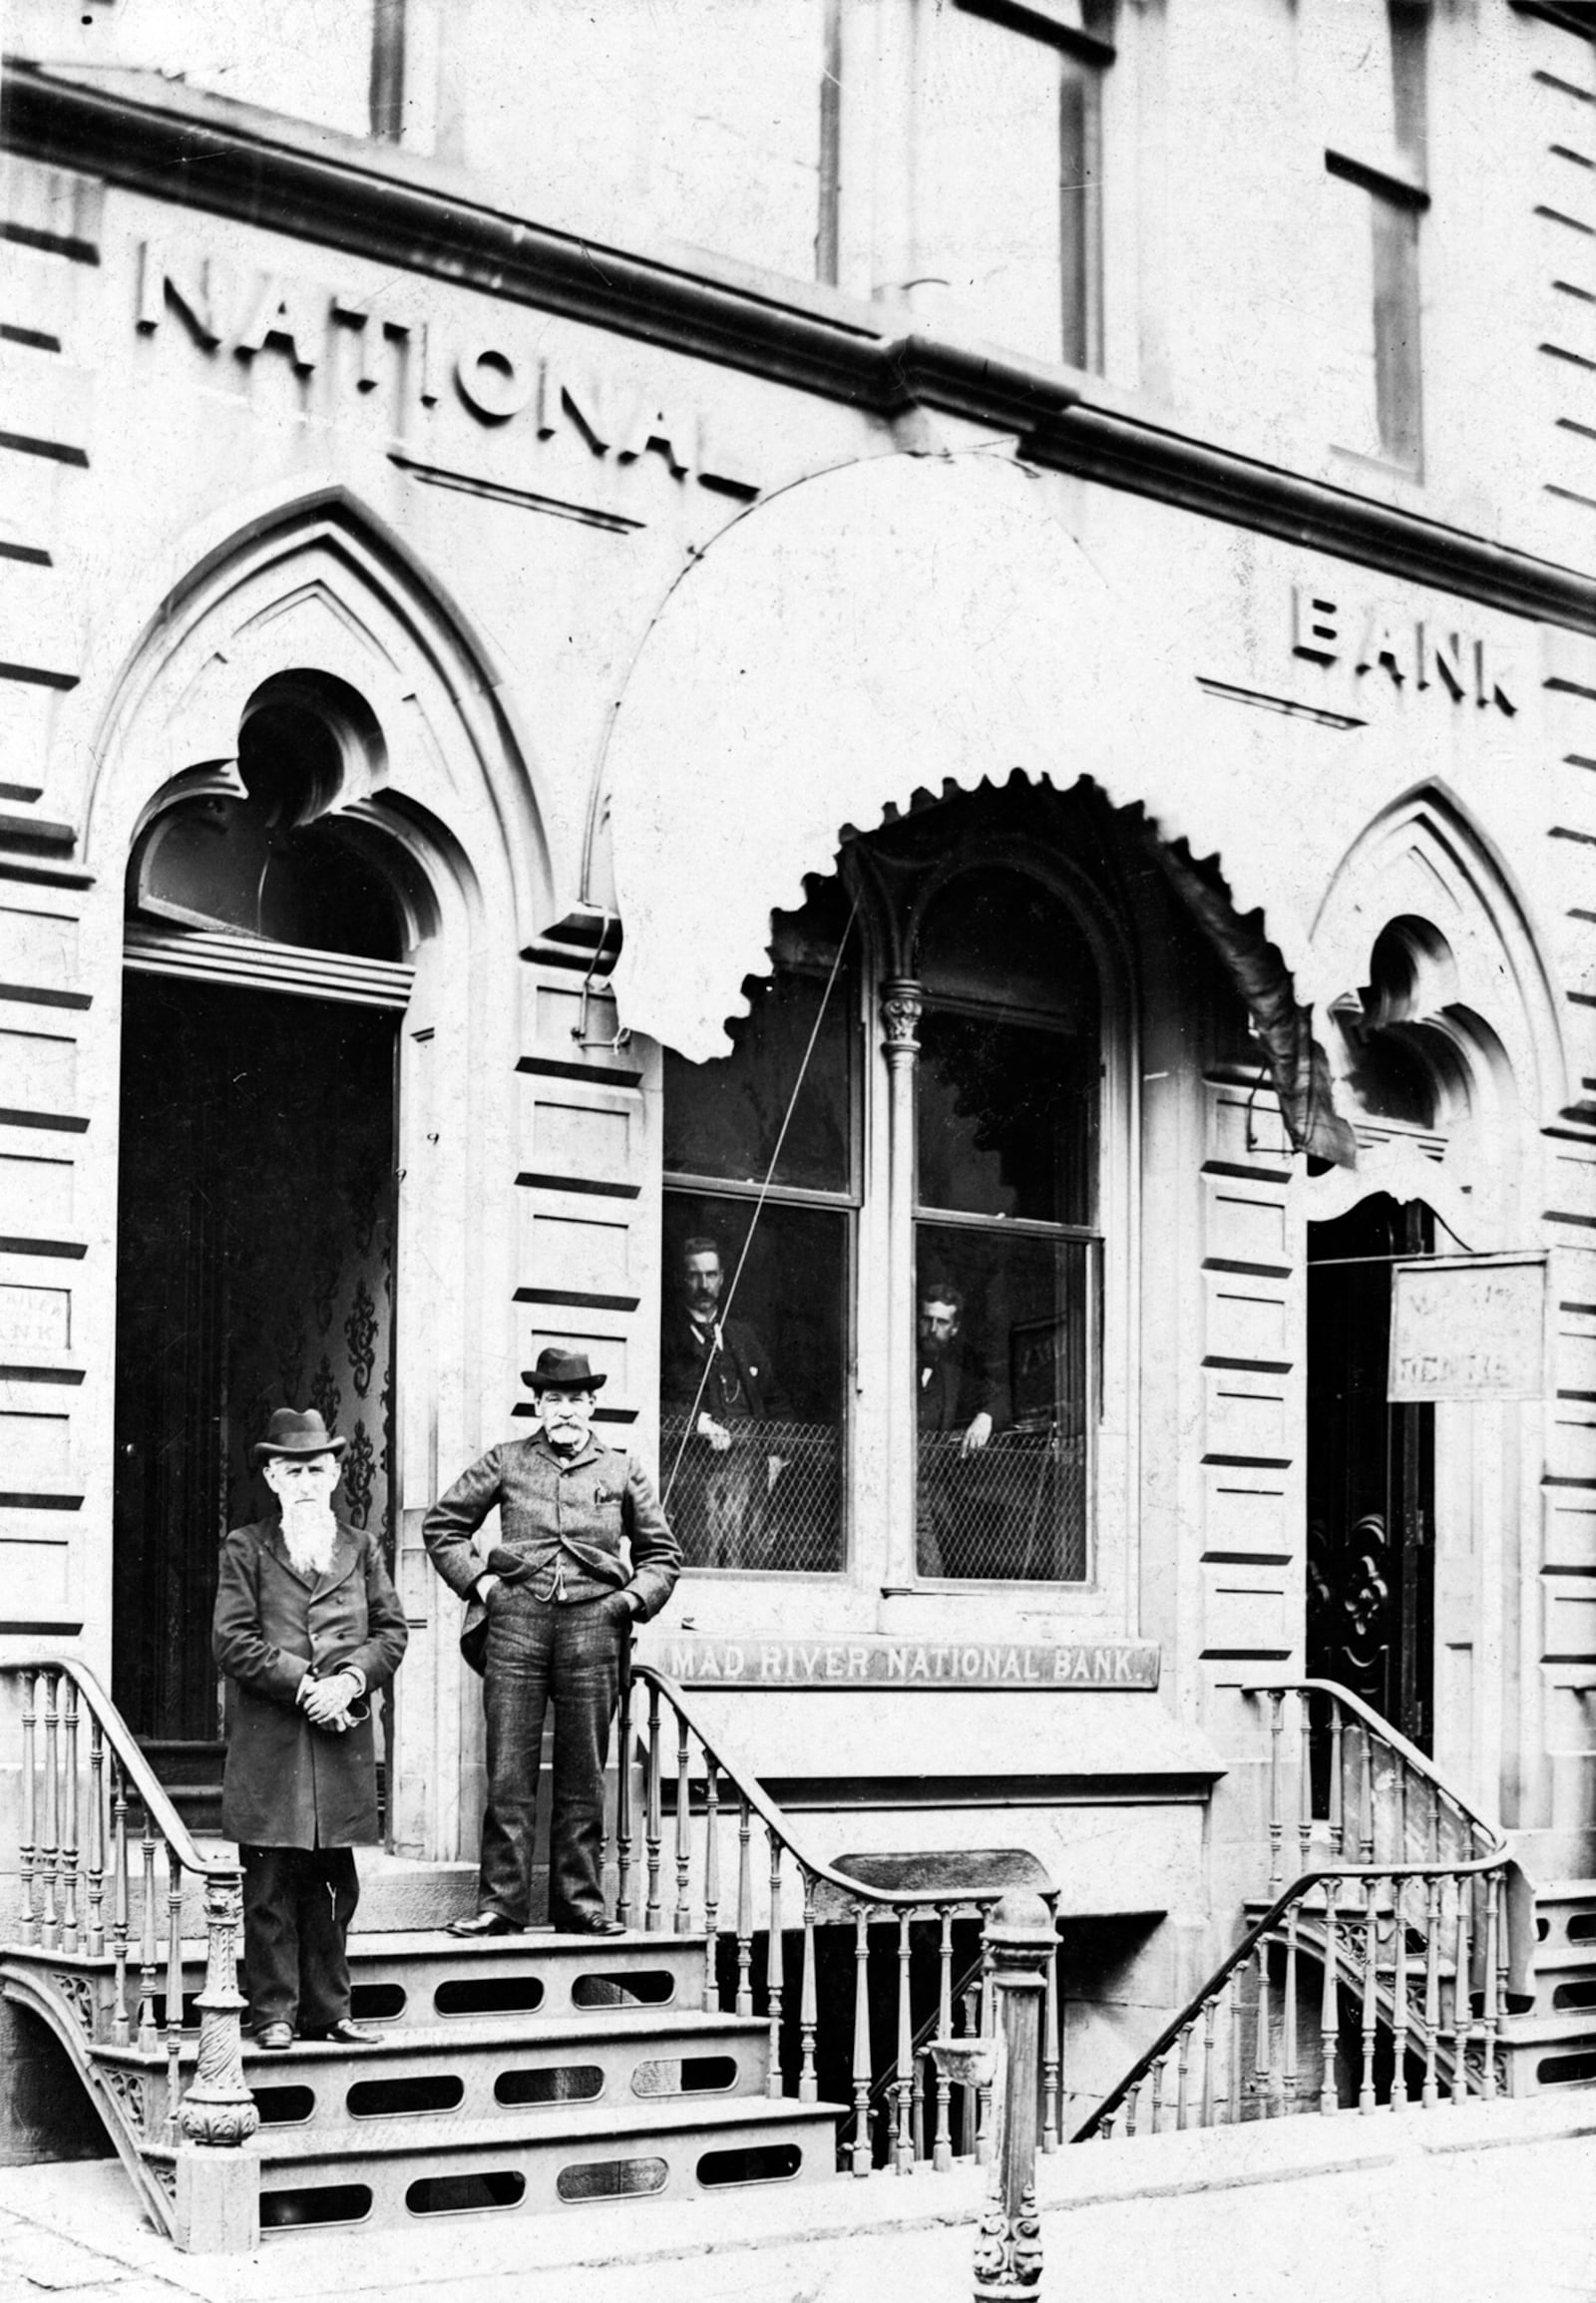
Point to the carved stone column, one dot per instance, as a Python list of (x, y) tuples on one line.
[(901, 1009), (218, 2207), (1022, 1942)]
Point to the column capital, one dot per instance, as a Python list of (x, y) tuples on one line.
[(902, 1006)]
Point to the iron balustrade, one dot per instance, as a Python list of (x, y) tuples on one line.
[(103, 1853), (1400, 1898), (682, 1884)]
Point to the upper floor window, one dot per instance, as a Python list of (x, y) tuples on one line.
[(706, 122), (342, 67), (1010, 170), (781, 1393), (1374, 196)]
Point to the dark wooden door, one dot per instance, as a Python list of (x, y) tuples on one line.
[(255, 1270), (1371, 1474)]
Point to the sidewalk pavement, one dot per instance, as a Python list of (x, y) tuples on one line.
[(1493, 2203)]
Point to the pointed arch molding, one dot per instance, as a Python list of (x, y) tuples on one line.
[(1423, 858), (318, 584), (904, 624)]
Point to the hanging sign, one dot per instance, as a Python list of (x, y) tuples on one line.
[(1468, 1328)]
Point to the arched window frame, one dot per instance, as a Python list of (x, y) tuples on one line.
[(879, 1455)]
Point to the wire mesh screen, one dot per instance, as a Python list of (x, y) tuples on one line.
[(771, 1501), (1014, 1513)]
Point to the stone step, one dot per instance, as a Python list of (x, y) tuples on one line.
[(446, 2075), (538, 1973), (428, 1978), (1549, 2054), (417, 2169), (1566, 1891)]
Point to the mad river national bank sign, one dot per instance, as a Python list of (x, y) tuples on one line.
[(766, 1660)]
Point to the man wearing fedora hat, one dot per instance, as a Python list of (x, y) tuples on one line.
[(307, 1625), (583, 1552)]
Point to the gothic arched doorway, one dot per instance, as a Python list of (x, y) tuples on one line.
[(265, 977)]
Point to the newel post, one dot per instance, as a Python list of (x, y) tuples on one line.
[(218, 2181), (1022, 1943)]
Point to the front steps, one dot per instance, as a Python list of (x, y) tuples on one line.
[(512, 2074), (1546, 2047), (1552, 2045)]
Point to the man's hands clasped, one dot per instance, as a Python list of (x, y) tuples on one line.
[(329, 1702)]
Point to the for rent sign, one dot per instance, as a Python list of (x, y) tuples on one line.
[(764, 1661), (1468, 1328)]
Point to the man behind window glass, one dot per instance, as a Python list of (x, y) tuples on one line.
[(714, 1379), (953, 1397)]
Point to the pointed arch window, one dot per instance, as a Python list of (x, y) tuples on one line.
[(963, 1151)]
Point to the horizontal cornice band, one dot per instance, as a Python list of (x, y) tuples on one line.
[(1118, 452), (201, 152)]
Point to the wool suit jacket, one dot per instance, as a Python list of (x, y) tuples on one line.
[(287, 1784), (741, 1365), (952, 1392), (598, 1505)]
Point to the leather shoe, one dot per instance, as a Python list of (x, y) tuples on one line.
[(484, 1923), (345, 2034), (274, 2036), (596, 1927)]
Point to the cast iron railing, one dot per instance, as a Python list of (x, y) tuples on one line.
[(103, 1856), (1400, 1900), (710, 1875)]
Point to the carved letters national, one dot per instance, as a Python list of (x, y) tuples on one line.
[(403, 349)]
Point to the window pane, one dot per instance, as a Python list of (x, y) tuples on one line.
[(1005, 1120), (297, 57), (1002, 1404), (1346, 351), (702, 117), (1009, 1068), (1009, 175), (751, 1398), (999, 936), (724, 1118), (1396, 364)]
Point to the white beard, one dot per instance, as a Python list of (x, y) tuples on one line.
[(310, 1532)]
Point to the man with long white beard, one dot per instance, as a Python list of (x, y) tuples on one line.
[(307, 1625)]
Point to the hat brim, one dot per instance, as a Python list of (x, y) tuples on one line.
[(265, 1452), (537, 1382)]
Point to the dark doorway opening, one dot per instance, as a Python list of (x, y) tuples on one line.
[(255, 1270), (1371, 1474)]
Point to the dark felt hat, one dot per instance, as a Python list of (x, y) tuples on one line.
[(559, 1370), (297, 1431)]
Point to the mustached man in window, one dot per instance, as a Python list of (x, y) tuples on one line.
[(715, 1383)]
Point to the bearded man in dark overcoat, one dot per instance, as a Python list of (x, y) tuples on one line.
[(307, 1628)]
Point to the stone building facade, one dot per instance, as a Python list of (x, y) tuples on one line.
[(1023, 568)]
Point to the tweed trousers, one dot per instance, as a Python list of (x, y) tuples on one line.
[(567, 1653)]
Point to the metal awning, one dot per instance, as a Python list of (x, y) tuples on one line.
[(904, 624)]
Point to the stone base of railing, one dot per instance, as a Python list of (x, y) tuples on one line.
[(216, 2206)]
